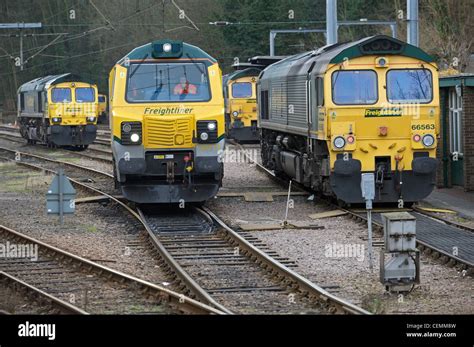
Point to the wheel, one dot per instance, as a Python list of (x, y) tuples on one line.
[(342, 203), (82, 147)]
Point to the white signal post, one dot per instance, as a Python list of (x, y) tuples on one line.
[(367, 185)]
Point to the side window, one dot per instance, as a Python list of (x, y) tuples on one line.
[(264, 104), (22, 101), (40, 102), (319, 91)]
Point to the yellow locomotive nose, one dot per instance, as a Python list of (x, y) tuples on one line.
[(173, 107), (362, 112)]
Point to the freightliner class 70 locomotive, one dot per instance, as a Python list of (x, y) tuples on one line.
[(167, 123), (370, 106)]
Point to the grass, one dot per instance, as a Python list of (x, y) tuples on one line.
[(92, 228), (14, 179), (141, 308), (373, 304)]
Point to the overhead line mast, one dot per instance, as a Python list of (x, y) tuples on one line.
[(20, 27)]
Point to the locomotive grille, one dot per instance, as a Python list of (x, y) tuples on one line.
[(168, 132)]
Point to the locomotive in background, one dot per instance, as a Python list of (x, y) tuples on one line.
[(329, 115)]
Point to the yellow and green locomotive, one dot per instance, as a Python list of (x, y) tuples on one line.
[(370, 106), (58, 110), (167, 123), (241, 104), (240, 94)]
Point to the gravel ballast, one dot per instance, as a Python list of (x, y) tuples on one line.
[(442, 290)]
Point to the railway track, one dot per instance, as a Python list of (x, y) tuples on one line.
[(451, 245), (271, 279), (98, 178), (94, 153), (449, 242), (11, 133), (17, 292), (102, 141), (88, 286), (224, 269)]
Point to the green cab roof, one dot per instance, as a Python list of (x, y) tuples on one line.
[(379, 45), (168, 49), (250, 72)]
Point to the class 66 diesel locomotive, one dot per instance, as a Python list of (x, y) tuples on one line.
[(167, 123), (240, 94), (370, 106), (58, 110)]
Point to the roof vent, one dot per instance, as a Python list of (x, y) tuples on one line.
[(384, 45)]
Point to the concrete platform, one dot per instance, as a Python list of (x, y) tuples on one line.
[(455, 199)]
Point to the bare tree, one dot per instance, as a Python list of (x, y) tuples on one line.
[(448, 32)]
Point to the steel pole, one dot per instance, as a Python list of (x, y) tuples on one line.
[(412, 22), (331, 21)]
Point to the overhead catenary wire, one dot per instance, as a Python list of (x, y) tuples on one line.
[(81, 34), (109, 23), (82, 55), (121, 23), (184, 14)]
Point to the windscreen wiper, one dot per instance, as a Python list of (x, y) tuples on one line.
[(194, 62), (138, 65)]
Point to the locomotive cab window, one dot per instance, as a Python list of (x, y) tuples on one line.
[(85, 95), (242, 90), (61, 95), (22, 101), (264, 104), (40, 102), (354, 87), (319, 91), (410, 85), (167, 83)]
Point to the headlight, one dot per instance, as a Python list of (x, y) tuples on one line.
[(126, 127), (428, 140), (91, 119), (167, 47), (339, 142), (211, 126), (131, 133), (206, 131), (56, 120), (235, 114)]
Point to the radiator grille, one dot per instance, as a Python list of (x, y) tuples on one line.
[(165, 132)]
